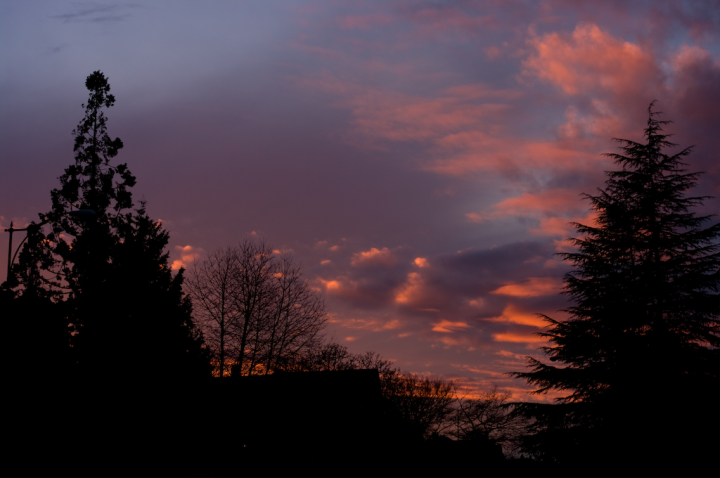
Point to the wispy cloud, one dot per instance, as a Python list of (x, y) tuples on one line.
[(97, 13)]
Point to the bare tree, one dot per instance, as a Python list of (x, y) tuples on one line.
[(255, 297), (330, 357), (211, 284), (424, 402), (295, 319), (257, 309), (489, 416)]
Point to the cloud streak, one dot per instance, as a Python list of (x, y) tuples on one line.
[(88, 12)]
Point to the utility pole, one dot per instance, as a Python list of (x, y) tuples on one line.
[(11, 258), (80, 213)]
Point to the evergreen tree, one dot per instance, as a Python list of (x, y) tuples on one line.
[(127, 311), (638, 356)]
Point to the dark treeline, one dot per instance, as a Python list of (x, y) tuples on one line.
[(117, 362)]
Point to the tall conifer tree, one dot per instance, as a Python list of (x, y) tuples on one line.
[(639, 353), (128, 313)]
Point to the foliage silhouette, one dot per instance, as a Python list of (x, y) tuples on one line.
[(643, 334), (127, 312)]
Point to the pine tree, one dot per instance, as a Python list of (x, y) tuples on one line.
[(640, 347), (127, 311)]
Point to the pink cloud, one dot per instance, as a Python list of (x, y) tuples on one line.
[(492, 52), (600, 122), (449, 24), (465, 127), (474, 151), (363, 22), (590, 59), (696, 75), (396, 116), (556, 209), (550, 201), (475, 217), (688, 56), (562, 226)]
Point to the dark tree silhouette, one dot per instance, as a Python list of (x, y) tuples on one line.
[(127, 311), (638, 356)]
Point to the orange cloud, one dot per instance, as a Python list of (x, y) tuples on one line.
[(188, 255), (372, 324), (454, 341), (331, 285), (513, 315), (561, 226), (446, 326), (533, 287), (409, 291), (421, 262), (518, 338), (373, 257), (479, 302), (506, 353), (478, 370)]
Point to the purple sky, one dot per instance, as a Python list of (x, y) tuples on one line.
[(421, 159)]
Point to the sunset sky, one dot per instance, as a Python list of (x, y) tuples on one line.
[(422, 159)]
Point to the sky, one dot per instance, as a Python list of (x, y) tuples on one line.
[(423, 160)]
